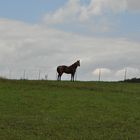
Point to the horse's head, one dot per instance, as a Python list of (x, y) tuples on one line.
[(78, 63)]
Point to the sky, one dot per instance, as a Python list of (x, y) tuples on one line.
[(36, 36)]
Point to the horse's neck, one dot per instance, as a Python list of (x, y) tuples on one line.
[(74, 66)]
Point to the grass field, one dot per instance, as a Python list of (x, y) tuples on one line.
[(51, 110)]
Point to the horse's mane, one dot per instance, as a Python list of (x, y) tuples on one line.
[(74, 65)]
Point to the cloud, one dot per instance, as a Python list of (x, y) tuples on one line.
[(94, 17), (42, 47), (74, 10), (104, 71), (36, 47), (81, 16), (102, 74), (133, 5), (130, 73), (68, 12)]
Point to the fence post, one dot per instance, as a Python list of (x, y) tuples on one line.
[(46, 77), (24, 74), (39, 73), (99, 75), (125, 74), (10, 74)]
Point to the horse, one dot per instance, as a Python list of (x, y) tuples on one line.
[(68, 70)]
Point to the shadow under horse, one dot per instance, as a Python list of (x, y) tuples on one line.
[(68, 70)]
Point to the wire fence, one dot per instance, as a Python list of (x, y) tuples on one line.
[(121, 75), (25, 74), (43, 74)]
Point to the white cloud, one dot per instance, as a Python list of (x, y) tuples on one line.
[(133, 5), (130, 72), (74, 10), (35, 47), (93, 17), (88, 18), (68, 12), (103, 71), (105, 74), (41, 47)]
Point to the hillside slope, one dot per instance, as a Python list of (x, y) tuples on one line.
[(51, 110)]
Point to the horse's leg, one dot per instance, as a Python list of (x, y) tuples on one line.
[(72, 77), (59, 77)]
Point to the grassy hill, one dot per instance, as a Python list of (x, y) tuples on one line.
[(51, 110)]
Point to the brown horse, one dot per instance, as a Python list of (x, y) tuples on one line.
[(68, 70)]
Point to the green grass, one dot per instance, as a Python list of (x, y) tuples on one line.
[(51, 110)]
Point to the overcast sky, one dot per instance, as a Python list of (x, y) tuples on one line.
[(38, 35)]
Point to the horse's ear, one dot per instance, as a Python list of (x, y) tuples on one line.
[(78, 61)]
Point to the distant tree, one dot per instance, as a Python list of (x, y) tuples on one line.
[(133, 80)]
